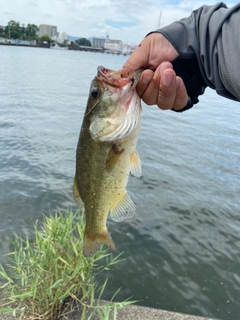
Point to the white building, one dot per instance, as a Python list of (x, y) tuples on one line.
[(49, 30), (114, 46), (62, 37)]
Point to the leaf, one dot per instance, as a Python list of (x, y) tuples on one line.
[(56, 284), (6, 310)]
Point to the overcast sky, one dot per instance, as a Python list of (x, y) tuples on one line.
[(126, 20)]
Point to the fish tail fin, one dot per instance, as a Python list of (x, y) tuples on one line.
[(92, 243)]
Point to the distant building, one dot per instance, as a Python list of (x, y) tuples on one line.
[(98, 42), (51, 31), (54, 32), (128, 49), (113, 45), (62, 37)]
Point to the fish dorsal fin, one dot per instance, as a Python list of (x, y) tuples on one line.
[(123, 209), (76, 194), (135, 165)]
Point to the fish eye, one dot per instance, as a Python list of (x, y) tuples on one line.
[(95, 93)]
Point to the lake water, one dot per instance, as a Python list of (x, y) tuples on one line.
[(182, 247)]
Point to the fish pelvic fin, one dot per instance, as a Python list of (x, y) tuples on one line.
[(123, 209), (76, 194), (135, 164), (92, 243)]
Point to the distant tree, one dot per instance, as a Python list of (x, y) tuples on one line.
[(31, 30), (22, 30), (73, 46), (14, 34), (46, 38), (13, 29), (2, 29), (16, 31), (83, 42)]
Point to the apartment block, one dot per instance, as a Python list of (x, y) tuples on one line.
[(51, 31)]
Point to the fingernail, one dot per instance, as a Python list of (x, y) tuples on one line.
[(146, 78), (178, 80), (167, 79)]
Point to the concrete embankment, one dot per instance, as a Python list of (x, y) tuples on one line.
[(132, 312), (135, 312), (143, 313)]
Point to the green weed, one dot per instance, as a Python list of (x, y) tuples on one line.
[(43, 274)]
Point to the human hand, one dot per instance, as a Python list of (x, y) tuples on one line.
[(161, 87)]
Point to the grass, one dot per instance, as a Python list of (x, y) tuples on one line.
[(42, 275)]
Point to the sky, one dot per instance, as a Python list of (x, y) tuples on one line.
[(126, 20)]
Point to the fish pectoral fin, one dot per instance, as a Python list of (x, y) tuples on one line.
[(76, 194), (113, 156), (123, 209), (92, 243), (135, 165)]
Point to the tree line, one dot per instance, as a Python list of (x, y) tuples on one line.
[(14, 30)]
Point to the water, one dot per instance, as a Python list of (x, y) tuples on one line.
[(182, 247)]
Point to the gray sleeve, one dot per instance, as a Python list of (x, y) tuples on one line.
[(212, 36)]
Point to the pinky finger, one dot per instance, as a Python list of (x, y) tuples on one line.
[(181, 98)]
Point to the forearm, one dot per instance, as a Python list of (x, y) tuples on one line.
[(210, 36)]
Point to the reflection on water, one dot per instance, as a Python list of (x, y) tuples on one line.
[(182, 249)]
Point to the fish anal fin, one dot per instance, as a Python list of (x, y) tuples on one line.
[(76, 194), (113, 156), (123, 209), (92, 243), (135, 167)]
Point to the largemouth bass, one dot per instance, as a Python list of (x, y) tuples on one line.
[(106, 154)]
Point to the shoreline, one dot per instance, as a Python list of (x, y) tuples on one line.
[(47, 46), (131, 312), (136, 312)]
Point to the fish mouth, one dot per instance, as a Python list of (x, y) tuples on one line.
[(102, 72), (114, 78)]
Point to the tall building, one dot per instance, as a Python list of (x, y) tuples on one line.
[(98, 42), (51, 31)]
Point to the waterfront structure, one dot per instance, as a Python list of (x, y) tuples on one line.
[(51, 31), (114, 46), (98, 42), (62, 37)]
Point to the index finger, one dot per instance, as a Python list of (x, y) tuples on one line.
[(138, 59)]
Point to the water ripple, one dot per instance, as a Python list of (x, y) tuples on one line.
[(182, 247)]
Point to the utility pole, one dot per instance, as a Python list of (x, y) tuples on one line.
[(159, 20)]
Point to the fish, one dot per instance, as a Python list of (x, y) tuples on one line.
[(106, 154)]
